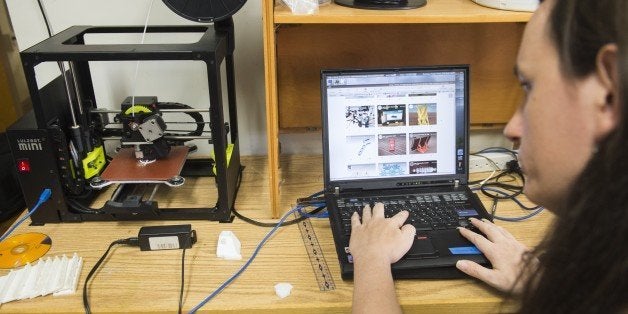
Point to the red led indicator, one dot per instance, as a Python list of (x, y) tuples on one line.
[(23, 166)]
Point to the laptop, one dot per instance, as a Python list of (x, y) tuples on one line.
[(400, 136)]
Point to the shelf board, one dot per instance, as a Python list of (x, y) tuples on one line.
[(436, 11)]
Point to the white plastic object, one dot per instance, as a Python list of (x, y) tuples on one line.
[(511, 5), (72, 274), (228, 246), (57, 276), (302, 7), (283, 289)]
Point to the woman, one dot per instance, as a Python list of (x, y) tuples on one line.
[(572, 131)]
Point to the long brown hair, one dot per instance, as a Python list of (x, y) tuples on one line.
[(584, 260)]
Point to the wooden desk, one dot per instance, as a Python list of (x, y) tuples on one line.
[(135, 281), (297, 47)]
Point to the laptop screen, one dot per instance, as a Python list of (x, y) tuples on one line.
[(395, 123)]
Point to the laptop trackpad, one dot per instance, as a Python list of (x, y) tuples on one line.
[(422, 248)]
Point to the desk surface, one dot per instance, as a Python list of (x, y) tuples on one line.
[(135, 281)]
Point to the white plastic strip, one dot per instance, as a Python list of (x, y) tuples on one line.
[(71, 276), (57, 276)]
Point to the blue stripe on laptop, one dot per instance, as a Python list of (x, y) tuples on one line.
[(467, 212), (464, 250)]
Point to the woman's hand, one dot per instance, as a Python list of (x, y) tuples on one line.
[(503, 251), (376, 242), (379, 238)]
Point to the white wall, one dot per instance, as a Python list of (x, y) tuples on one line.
[(183, 82)]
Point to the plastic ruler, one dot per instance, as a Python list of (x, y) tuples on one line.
[(315, 254)]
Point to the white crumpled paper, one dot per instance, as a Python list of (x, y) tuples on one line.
[(283, 289), (228, 246), (302, 7)]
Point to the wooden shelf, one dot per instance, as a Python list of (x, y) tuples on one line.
[(436, 11), (489, 50)]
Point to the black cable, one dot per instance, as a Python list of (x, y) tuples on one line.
[(198, 119), (494, 207), (78, 207), (498, 150), (536, 209), (43, 14), (286, 223), (48, 28), (500, 188), (514, 189), (264, 224), (512, 168), (182, 280), (508, 175), (128, 241), (76, 202), (511, 165)]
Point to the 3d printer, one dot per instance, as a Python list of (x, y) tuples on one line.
[(60, 144)]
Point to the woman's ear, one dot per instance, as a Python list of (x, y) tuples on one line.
[(608, 111)]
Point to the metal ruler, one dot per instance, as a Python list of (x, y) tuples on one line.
[(315, 254)]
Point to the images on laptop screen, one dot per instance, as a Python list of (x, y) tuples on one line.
[(391, 123)]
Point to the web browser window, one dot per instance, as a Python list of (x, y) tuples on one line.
[(396, 124)]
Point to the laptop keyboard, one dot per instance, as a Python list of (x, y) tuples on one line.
[(427, 211)]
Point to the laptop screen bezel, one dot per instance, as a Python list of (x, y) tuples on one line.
[(396, 182)]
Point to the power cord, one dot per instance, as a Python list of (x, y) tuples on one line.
[(313, 200), (496, 168), (514, 173), (182, 281), (183, 275), (43, 197), (503, 190), (304, 215), (45, 16), (152, 238), (514, 153), (536, 209), (134, 241)]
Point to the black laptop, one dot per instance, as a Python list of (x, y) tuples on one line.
[(400, 136)]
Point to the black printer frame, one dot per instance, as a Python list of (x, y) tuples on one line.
[(215, 46)]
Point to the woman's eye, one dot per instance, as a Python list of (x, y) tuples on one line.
[(526, 86)]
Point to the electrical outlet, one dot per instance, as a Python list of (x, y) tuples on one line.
[(481, 164)]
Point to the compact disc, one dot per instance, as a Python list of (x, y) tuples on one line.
[(23, 248)]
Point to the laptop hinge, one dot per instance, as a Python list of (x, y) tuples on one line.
[(456, 183)]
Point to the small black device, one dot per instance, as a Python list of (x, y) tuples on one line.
[(153, 238), (382, 4)]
